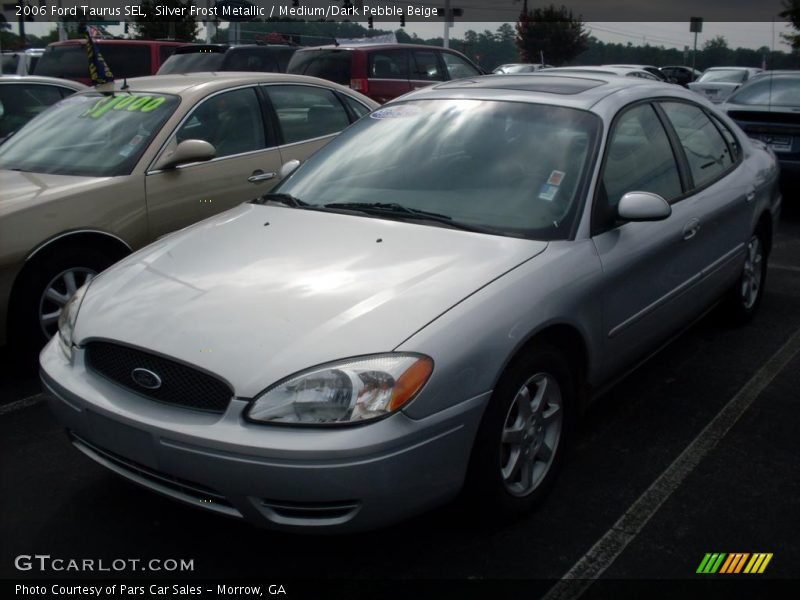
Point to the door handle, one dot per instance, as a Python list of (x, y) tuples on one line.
[(258, 176), (750, 195), (690, 229)]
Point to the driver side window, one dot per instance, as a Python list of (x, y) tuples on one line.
[(231, 122), (639, 158)]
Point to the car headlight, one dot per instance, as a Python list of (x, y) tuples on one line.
[(346, 392), (67, 319)]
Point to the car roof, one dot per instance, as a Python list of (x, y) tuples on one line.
[(732, 69), (603, 70), (203, 83), (116, 41), (41, 79), (564, 89), (632, 66), (375, 46)]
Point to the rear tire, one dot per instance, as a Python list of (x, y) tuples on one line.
[(745, 296), (521, 441)]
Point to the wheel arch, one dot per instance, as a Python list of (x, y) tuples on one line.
[(764, 224), (102, 241), (565, 337)]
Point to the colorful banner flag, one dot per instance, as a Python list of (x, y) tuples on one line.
[(98, 68)]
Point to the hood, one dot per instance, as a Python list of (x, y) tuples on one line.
[(23, 189), (261, 292)]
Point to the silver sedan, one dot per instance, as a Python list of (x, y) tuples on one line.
[(421, 309)]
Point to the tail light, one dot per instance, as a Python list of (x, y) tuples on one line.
[(360, 85)]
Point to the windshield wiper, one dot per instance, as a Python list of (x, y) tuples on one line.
[(285, 199), (391, 207), (398, 210)]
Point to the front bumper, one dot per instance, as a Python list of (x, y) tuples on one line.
[(338, 479)]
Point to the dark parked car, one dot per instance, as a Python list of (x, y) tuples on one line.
[(768, 109), (383, 71), (655, 71), (718, 83), (125, 58), (194, 58), (22, 98), (681, 75)]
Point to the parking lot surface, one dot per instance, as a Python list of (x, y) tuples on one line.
[(617, 499)]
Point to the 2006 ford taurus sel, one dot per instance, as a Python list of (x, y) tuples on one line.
[(422, 307)]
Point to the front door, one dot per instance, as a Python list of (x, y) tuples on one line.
[(246, 165)]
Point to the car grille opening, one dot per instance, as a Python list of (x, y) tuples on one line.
[(187, 491), (177, 383)]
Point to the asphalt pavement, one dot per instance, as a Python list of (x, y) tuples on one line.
[(695, 452)]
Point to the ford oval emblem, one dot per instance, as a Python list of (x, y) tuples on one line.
[(146, 379)]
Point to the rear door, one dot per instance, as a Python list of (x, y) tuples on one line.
[(388, 74), (722, 195), (306, 118), (245, 167), (426, 68)]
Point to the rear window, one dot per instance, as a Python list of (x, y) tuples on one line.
[(723, 76), (191, 63), (333, 65), (124, 60)]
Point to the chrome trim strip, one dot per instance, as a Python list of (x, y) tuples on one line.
[(75, 232)]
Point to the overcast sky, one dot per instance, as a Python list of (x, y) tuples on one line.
[(670, 35)]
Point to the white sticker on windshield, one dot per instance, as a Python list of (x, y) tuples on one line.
[(396, 112), (548, 192)]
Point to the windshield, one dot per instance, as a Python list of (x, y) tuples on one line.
[(782, 91), (723, 76), (512, 168), (195, 62), (90, 134)]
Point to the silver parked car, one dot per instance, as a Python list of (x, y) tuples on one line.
[(718, 83), (421, 308)]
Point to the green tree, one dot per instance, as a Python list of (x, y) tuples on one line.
[(551, 32), (152, 27), (791, 13), (716, 53)]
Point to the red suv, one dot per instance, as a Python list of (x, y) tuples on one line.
[(125, 58), (383, 71)]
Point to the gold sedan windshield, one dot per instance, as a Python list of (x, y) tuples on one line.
[(94, 134)]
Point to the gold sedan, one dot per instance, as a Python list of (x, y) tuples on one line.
[(109, 170)]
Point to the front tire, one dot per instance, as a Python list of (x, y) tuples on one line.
[(521, 441), (43, 289)]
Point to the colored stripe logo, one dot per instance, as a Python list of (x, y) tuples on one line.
[(735, 562)]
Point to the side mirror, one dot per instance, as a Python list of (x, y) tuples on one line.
[(288, 168), (188, 151), (643, 206)]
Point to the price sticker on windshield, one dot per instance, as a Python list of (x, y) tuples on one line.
[(130, 103), (396, 112), (549, 189)]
